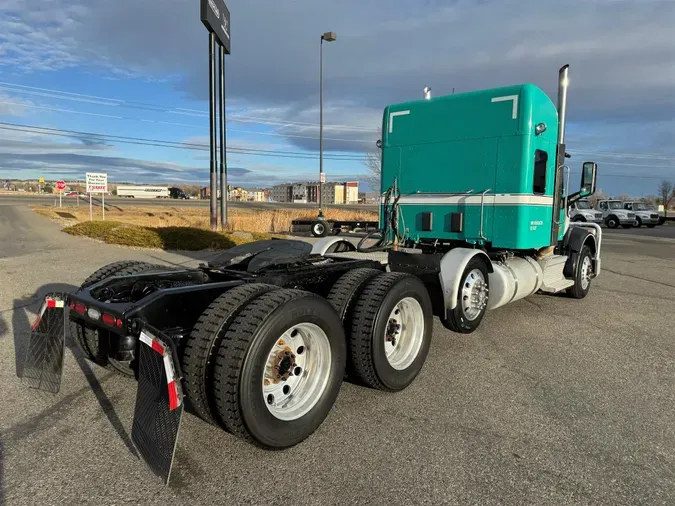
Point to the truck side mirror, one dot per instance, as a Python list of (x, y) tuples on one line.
[(588, 175)]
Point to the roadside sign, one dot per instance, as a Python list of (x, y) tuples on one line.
[(42, 180), (97, 182), (323, 177), (60, 185), (216, 17)]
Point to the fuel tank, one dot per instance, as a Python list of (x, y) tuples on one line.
[(513, 279)]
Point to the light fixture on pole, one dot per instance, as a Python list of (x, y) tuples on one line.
[(328, 37)]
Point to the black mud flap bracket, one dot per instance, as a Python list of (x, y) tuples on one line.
[(43, 363), (159, 402)]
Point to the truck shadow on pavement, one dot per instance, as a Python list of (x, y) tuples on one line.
[(22, 328)]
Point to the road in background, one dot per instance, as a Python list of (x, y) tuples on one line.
[(552, 401), (6, 199)]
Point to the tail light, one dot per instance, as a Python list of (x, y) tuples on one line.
[(108, 319), (80, 308)]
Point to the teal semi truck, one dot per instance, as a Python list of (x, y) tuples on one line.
[(480, 178), (474, 216)]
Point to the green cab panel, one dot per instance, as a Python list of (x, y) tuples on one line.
[(477, 154)]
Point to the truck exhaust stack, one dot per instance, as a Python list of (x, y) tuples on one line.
[(563, 84)]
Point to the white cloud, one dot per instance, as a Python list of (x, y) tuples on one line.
[(13, 106)]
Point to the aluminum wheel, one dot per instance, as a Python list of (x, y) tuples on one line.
[(474, 294), (297, 371), (586, 272), (404, 334)]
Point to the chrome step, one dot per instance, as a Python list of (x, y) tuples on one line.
[(552, 268)]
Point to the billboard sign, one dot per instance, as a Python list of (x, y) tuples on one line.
[(216, 17)]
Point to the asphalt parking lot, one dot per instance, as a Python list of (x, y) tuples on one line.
[(552, 401)]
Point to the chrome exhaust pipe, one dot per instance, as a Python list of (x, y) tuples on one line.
[(563, 84), (427, 93)]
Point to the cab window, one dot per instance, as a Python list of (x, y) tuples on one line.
[(540, 161)]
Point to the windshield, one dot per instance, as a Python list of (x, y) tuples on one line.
[(641, 207), (583, 205), (615, 204)]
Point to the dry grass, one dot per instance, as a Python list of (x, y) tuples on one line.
[(239, 220), (168, 238)]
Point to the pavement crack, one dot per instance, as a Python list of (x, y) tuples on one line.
[(638, 277)]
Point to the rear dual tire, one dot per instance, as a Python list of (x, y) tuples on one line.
[(389, 319), (267, 365), (244, 384)]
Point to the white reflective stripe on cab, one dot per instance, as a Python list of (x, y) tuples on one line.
[(506, 199)]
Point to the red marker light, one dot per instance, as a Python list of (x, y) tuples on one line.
[(108, 319), (80, 308)]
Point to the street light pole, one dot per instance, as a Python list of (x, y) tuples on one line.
[(328, 37)]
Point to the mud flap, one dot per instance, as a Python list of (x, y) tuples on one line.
[(43, 365), (159, 402)]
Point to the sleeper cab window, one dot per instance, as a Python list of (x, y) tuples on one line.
[(540, 162)]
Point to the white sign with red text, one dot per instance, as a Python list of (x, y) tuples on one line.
[(97, 182)]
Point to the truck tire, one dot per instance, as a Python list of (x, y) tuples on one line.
[(320, 228), (638, 222), (203, 342), (391, 331), (342, 297), (475, 283), (583, 271), (279, 368), (88, 338), (122, 268), (612, 221), (346, 289), (578, 218)]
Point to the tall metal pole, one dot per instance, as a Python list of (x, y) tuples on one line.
[(212, 130), (321, 128), (223, 150)]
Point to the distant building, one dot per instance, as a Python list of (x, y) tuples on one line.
[(333, 192), (256, 195), (282, 193)]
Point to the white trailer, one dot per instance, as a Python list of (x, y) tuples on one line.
[(143, 192)]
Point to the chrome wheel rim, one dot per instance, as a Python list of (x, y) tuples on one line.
[(586, 272), (474, 294), (404, 333), (297, 371)]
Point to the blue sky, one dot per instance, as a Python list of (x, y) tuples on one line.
[(138, 69)]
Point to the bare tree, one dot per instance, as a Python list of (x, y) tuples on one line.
[(374, 165), (666, 194), (598, 195)]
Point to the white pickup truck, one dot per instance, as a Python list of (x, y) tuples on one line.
[(644, 214), (614, 214)]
